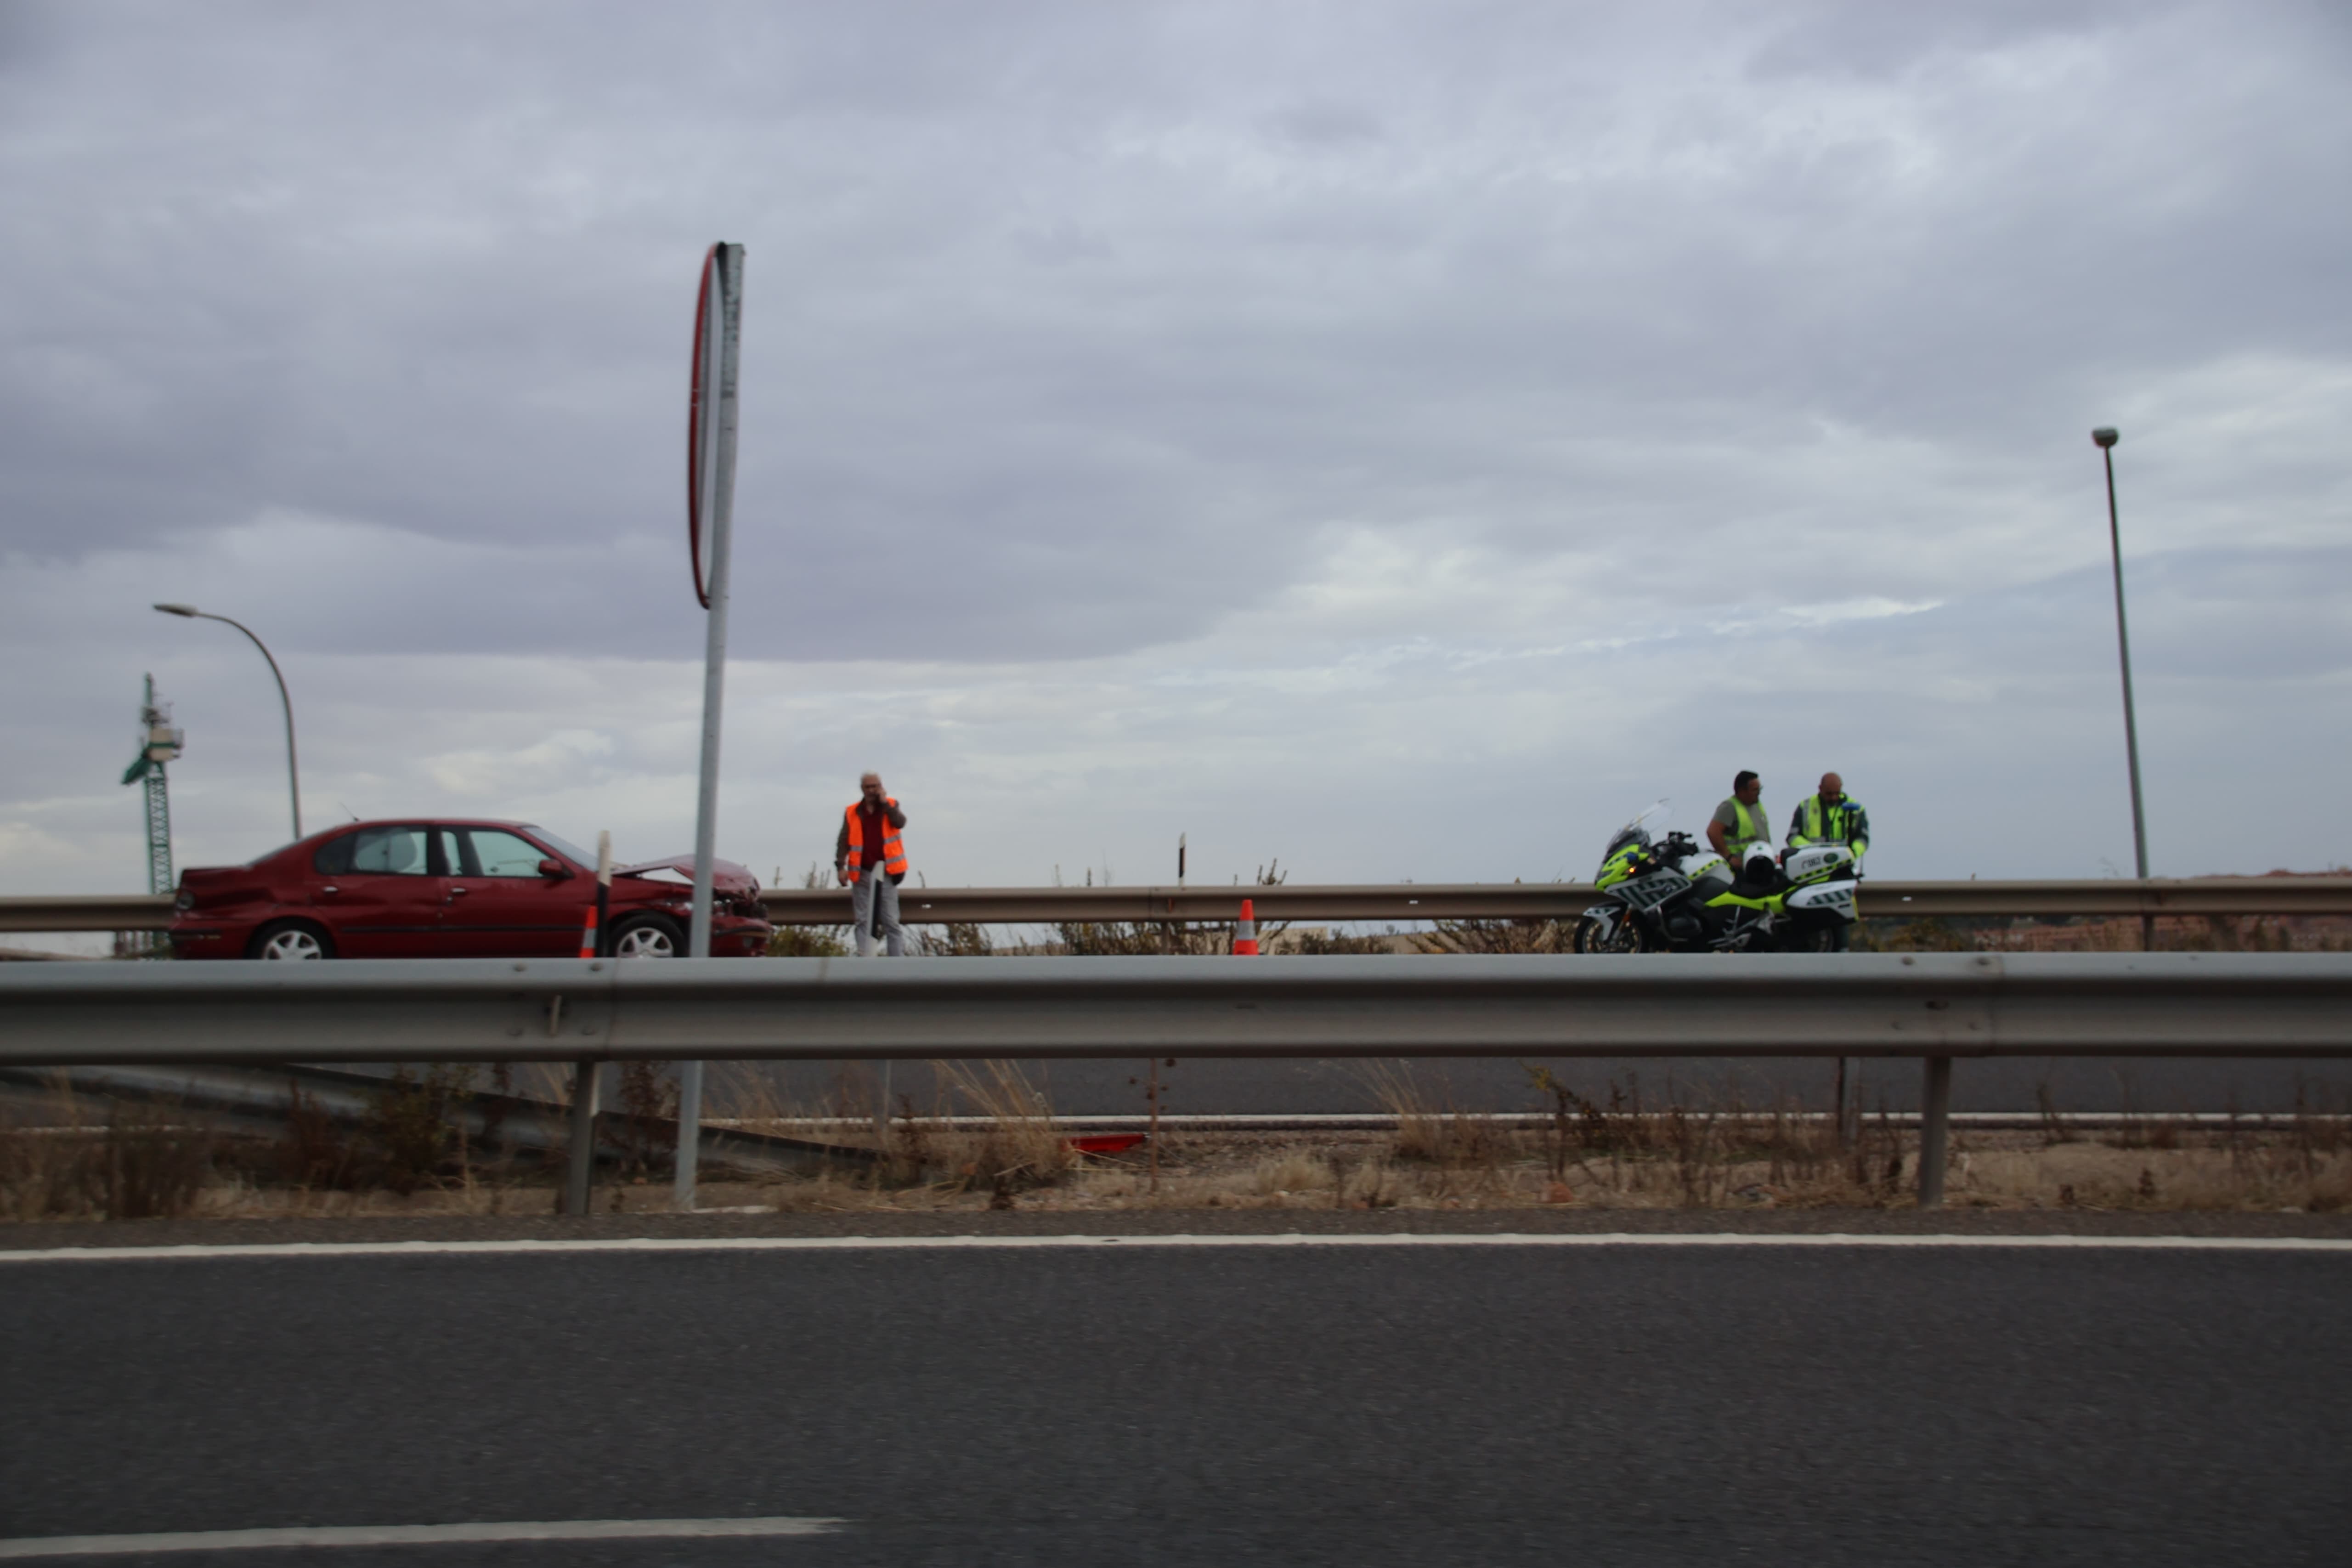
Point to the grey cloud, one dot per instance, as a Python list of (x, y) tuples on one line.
[(1326, 123), (1087, 329), (1852, 36)]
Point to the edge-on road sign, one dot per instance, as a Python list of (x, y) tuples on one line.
[(711, 409)]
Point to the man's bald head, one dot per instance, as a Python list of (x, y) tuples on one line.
[(870, 785), (1833, 786)]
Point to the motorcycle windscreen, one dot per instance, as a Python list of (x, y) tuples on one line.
[(1649, 827)]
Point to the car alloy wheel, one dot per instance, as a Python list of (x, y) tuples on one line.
[(644, 942), (292, 943)]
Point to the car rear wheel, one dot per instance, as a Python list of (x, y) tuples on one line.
[(647, 936), (291, 940)]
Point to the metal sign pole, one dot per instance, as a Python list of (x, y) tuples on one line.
[(2104, 439), (580, 1161), (715, 378)]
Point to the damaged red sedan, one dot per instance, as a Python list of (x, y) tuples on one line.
[(452, 889)]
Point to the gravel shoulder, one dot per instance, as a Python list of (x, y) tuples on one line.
[(1176, 1221)]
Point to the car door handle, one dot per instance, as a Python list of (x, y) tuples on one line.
[(330, 890), (456, 893)]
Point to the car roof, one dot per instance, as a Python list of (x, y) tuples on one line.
[(422, 820)]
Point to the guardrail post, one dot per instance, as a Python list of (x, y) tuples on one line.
[(580, 1169), (1935, 1125)]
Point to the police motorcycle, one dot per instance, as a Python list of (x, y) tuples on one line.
[(1665, 893)]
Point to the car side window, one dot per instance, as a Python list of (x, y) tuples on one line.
[(334, 857), (457, 854), (504, 855), (388, 851)]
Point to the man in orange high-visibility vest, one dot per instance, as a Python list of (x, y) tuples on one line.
[(869, 858)]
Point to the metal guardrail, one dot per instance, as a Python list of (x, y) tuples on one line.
[(1852, 1004), (260, 1100), (1403, 902), (1934, 1006), (1549, 900), (88, 911)]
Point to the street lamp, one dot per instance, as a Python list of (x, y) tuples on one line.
[(2105, 437), (293, 778)]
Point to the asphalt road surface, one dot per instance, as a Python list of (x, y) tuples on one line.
[(1578, 1406)]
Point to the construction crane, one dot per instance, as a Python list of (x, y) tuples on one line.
[(158, 744)]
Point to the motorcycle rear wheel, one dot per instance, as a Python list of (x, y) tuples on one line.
[(1836, 938)]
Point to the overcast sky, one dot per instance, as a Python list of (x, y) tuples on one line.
[(1404, 441)]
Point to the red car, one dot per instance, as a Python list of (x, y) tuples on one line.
[(450, 889)]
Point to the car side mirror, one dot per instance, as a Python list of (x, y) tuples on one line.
[(555, 869)]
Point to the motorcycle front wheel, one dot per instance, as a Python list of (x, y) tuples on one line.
[(1619, 935)]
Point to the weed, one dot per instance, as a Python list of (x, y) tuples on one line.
[(1294, 1173), (646, 1124), (1151, 939), (408, 1120), (1018, 1146), (1926, 935), (155, 1161), (1318, 940), (1502, 936), (53, 1169), (810, 941), (957, 940), (314, 1153), (2054, 1130)]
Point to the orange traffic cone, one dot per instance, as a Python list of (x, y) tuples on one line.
[(1246, 933), (588, 932)]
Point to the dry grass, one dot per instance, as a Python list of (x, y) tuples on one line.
[(1432, 1128), (141, 1162), (1015, 1146), (810, 941), (2116, 934), (1269, 1171), (1001, 1150), (1500, 936), (1154, 939)]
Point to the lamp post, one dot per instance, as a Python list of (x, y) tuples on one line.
[(293, 777), (2105, 437)]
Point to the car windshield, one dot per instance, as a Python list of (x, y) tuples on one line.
[(572, 852)]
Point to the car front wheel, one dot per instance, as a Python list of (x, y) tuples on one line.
[(291, 939), (646, 936)]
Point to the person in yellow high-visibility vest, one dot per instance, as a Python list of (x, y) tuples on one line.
[(869, 858), (1832, 817), (1740, 820)]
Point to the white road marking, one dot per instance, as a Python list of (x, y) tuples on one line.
[(1273, 1239), (412, 1535)]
